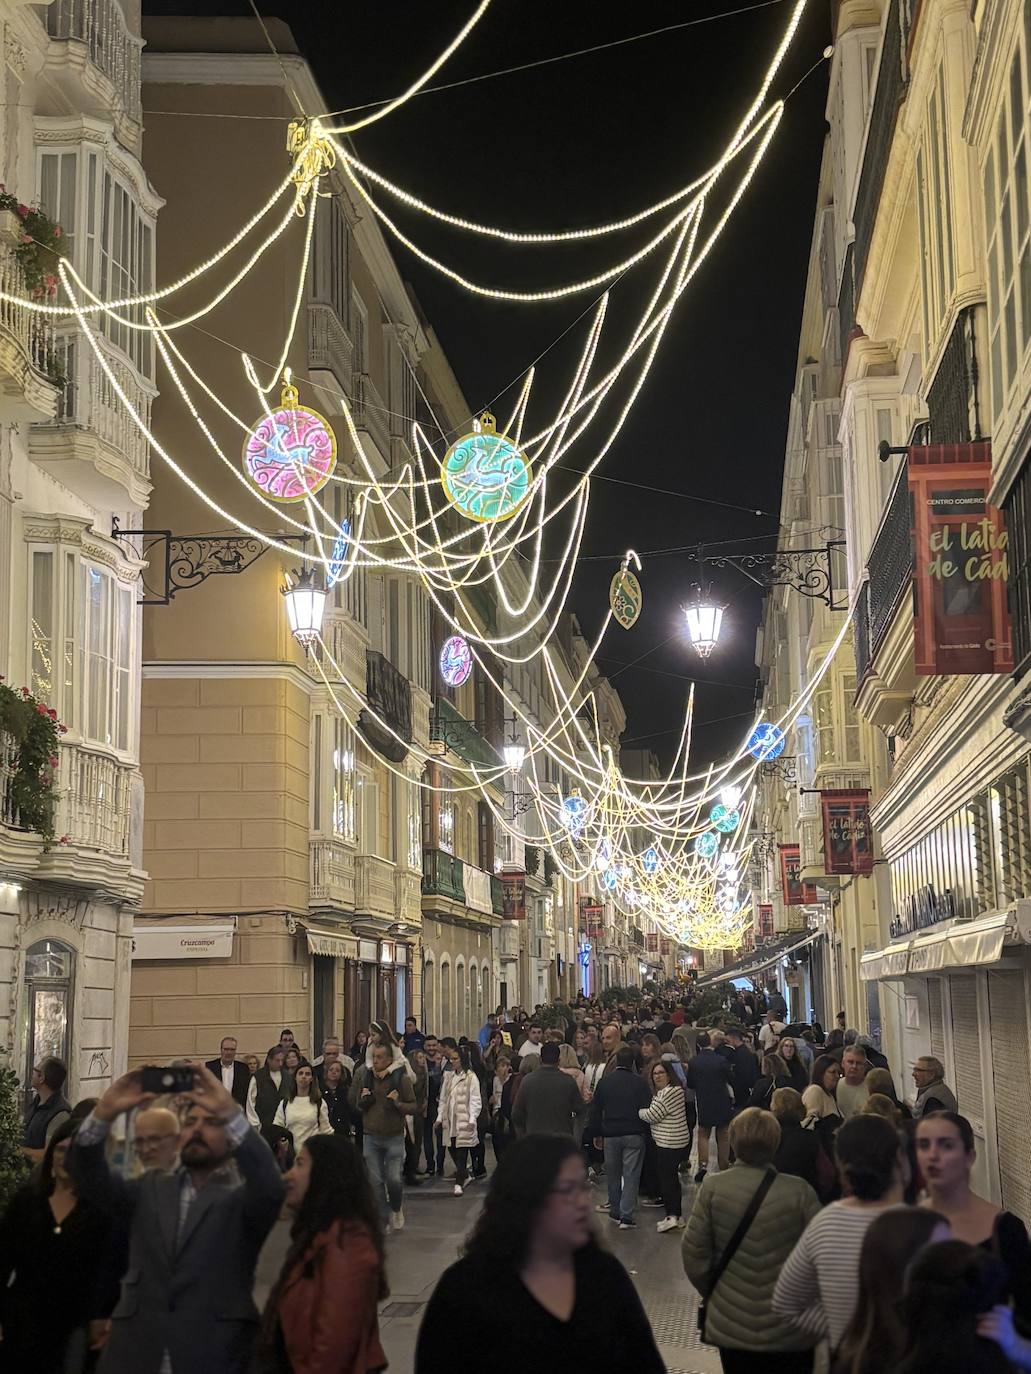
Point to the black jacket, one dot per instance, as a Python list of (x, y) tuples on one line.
[(241, 1079), (709, 1074), (549, 1103), (745, 1068), (797, 1153), (617, 1100)]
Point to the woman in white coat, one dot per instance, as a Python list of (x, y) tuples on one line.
[(303, 1113), (457, 1111)]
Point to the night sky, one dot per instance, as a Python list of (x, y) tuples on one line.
[(574, 143)]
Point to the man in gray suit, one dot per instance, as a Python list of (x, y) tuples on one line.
[(186, 1305)]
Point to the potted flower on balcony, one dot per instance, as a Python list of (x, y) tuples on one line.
[(29, 737), (35, 240)]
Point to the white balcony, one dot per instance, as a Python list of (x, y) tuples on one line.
[(95, 61), (508, 939), (329, 346), (332, 875), (370, 418), (92, 445), (375, 892), (27, 350), (97, 798)]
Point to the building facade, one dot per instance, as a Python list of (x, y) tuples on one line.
[(71, 465), (923, 244)]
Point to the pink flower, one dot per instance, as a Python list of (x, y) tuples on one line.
[(52, 713), (41, 709), (57, 231), (63, 729), (65, 839), (26, 238), (25, 691), (23, 210), (53, 760)]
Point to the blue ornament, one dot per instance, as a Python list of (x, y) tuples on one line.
[(724, 819), (574, 810), (706, 844), (484, 475), (766, 742), (337, 559), (609, 878), (650, 860)]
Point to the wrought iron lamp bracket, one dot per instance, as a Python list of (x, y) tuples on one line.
[(177, 562), (808, 571)]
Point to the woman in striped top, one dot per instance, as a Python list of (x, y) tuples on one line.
[(667, 1116), (817, 1287)]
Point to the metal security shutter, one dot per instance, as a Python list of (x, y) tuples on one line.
[(1008, 1012), (936, 1018), (966, 1045)]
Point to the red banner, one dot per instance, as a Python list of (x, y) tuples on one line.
[(591, 919), (847, 841), (961, 621), (765, 921), (796, 893), (514, 906), (665, 946), (651, 944)]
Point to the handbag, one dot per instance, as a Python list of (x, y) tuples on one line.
[(732, 1245)]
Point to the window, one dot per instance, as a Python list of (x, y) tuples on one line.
[(446, 827), (107, 638), (42, 626), (1007, 218), (823, 717), (344, 821), (49, 965), (368, 794), (108, 239), (934, 191), (329, 256), (850, 719), (359, 333), (414, 827)]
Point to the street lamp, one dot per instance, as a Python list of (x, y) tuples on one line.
[(704, 618), (305, 607), (513, 754)]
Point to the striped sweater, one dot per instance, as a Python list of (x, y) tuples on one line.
[(668, 1118), (817, 1288)]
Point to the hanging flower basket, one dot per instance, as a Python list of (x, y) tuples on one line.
[(29, 741), (37, 243)]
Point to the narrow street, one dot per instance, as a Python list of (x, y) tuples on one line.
[(435, 1224)]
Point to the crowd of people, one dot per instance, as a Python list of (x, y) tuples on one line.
[(825, 1208)]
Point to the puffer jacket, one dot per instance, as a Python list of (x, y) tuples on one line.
[(739, 1314)]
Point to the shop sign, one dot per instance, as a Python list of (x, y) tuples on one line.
[(765, 920), (514, 904), (961, 621), (847, 841), (796, 893), (591, 919), (183, 942), (921, 909)]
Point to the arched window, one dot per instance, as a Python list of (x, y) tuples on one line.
[(49, 965), (445, 998), (429, 1001)]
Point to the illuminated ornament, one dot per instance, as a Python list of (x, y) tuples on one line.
[(574, 810), (706, 844), (650, 860), (603, 858), (723, 819), (625, 598), (338, 556), (766, 742), (609, 878), (456, 661), (484, 475), (290, 454)]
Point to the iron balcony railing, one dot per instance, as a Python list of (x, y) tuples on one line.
[(1017, 510), (888, 95), (890, 565), (953, 400), (861, 633)]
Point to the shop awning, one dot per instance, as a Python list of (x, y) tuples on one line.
[(966, 944), (763, 958), (183, 940), (334, 943)]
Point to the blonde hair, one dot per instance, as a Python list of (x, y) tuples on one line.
[(786, 1105), (755, 1136), (880, 1081), (879, 1105)]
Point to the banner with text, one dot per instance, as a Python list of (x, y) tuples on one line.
[(961, 621), (847, 843), (796, 893)]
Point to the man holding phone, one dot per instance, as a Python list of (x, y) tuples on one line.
[(186, 1305)]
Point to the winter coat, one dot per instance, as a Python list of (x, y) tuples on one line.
[(327, 1306), (459, 1107), (739, 1313), (709, 1075), (667, 1117)]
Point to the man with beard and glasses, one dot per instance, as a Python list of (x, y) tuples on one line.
[(186, 1304)]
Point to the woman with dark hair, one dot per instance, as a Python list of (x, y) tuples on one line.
[(458, 1110), (949, 1288), (336, 1084), (816, 1289), (357, 1050), (820, 1097), (797, 1071), (321, 1314), (667, 1118), (566, 1304), (875, 1336), (478, 1152), (945, 1155), (774, 1075), (303, 1113), (51, 1281)]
